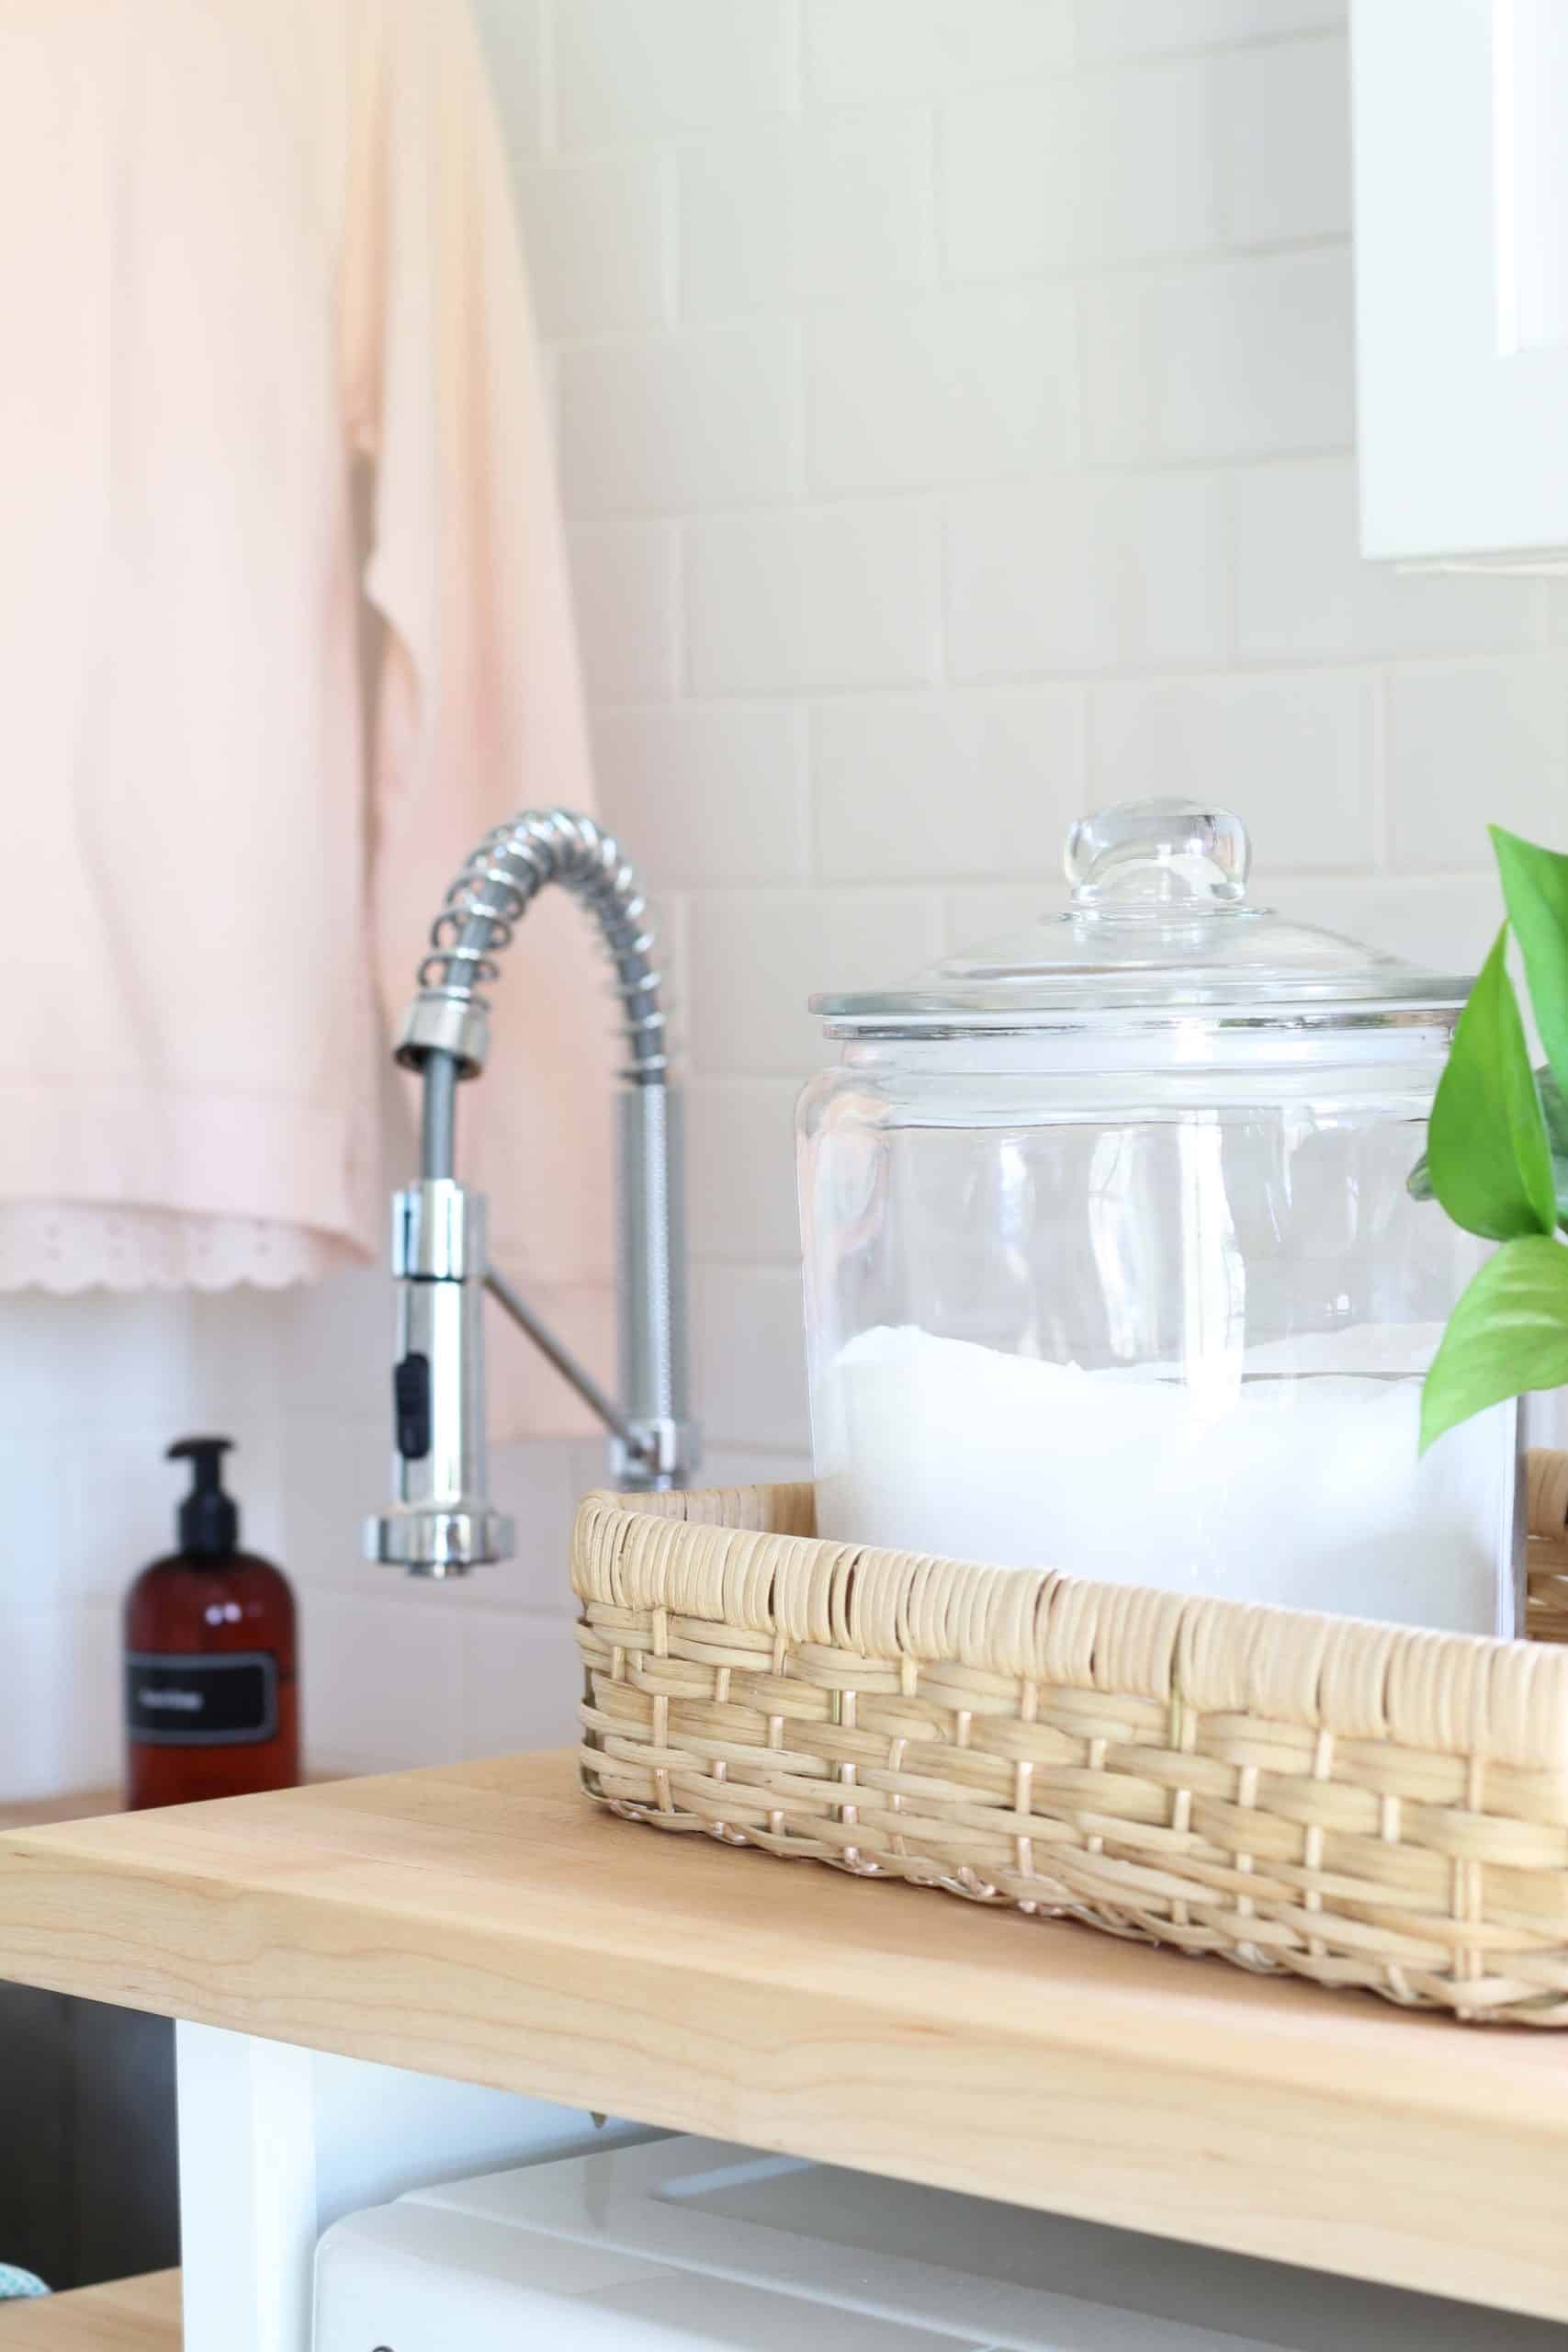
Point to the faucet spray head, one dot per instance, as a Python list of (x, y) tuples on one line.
[(441, 1523)]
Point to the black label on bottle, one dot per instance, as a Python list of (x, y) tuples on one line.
[(215, 1701)]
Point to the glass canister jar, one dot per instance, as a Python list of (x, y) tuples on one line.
[(1112, 1264)]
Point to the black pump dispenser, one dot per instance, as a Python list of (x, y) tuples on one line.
[(208, 1518)]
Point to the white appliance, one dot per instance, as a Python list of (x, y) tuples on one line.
[(693, 2246)]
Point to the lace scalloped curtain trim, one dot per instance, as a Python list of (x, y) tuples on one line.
[(71, 1246)]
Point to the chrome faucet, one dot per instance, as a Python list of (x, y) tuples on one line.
[(441, 1522)]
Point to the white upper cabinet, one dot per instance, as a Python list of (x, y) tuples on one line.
[(1460, 116)]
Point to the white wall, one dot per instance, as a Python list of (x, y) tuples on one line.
[(956, 430), (956, 427)]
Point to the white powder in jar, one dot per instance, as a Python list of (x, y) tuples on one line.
[(1292, 1477)]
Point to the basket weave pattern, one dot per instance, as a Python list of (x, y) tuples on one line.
[(1359, 1804)]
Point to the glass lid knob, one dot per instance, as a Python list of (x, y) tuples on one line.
[(1158, 856)]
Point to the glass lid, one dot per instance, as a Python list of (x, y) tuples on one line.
[(1160, 922)]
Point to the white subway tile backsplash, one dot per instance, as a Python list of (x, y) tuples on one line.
[(740, 1169), (90, 1735), (510, 32), (975, 384), (707, 418), (840, 595), (237, 1355), (62, 1358), (1125, 28), (33, 1759), (1242, 358), (1058, 174), (102, 1513), (336, 1470), (1180, 157), (886, 49), (625, 586), (1090, 572), (1283, 141), (982, 913), (333, 1342), (708, 792), (1290, 752), (757, 956), (1010, 171), (1439, 922), (751, 1357), (522, 1682), (539, 1482), (1149, 163), (1305, 592), (756, 1466), (59, 1728), (1473, 744), (809, 215), (942, 786), (382, 1679), (627, 71), (595, 237)]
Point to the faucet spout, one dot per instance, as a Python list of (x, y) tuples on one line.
[(440, 1522)]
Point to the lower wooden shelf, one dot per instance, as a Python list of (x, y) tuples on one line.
[(132, 2315)]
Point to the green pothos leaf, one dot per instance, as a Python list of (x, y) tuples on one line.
[(1507, 1335), (1489, 1161), (1554, 1110)]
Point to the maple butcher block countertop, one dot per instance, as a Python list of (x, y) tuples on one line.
[(485, 1923)]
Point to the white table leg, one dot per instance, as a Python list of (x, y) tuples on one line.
[(276, 2142), (247, 2190)]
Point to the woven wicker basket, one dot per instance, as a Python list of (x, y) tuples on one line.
[(1359, 1804)]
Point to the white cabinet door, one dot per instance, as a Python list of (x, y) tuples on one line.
[(1461, 131)]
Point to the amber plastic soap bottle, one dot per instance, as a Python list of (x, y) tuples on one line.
[(212, 1703)]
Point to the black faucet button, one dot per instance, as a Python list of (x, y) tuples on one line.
[(411, 1407)]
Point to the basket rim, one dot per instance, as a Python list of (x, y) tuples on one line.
[(745, 1559)]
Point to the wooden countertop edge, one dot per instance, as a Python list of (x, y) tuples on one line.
[(483, 1922), (1209, 2013)]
